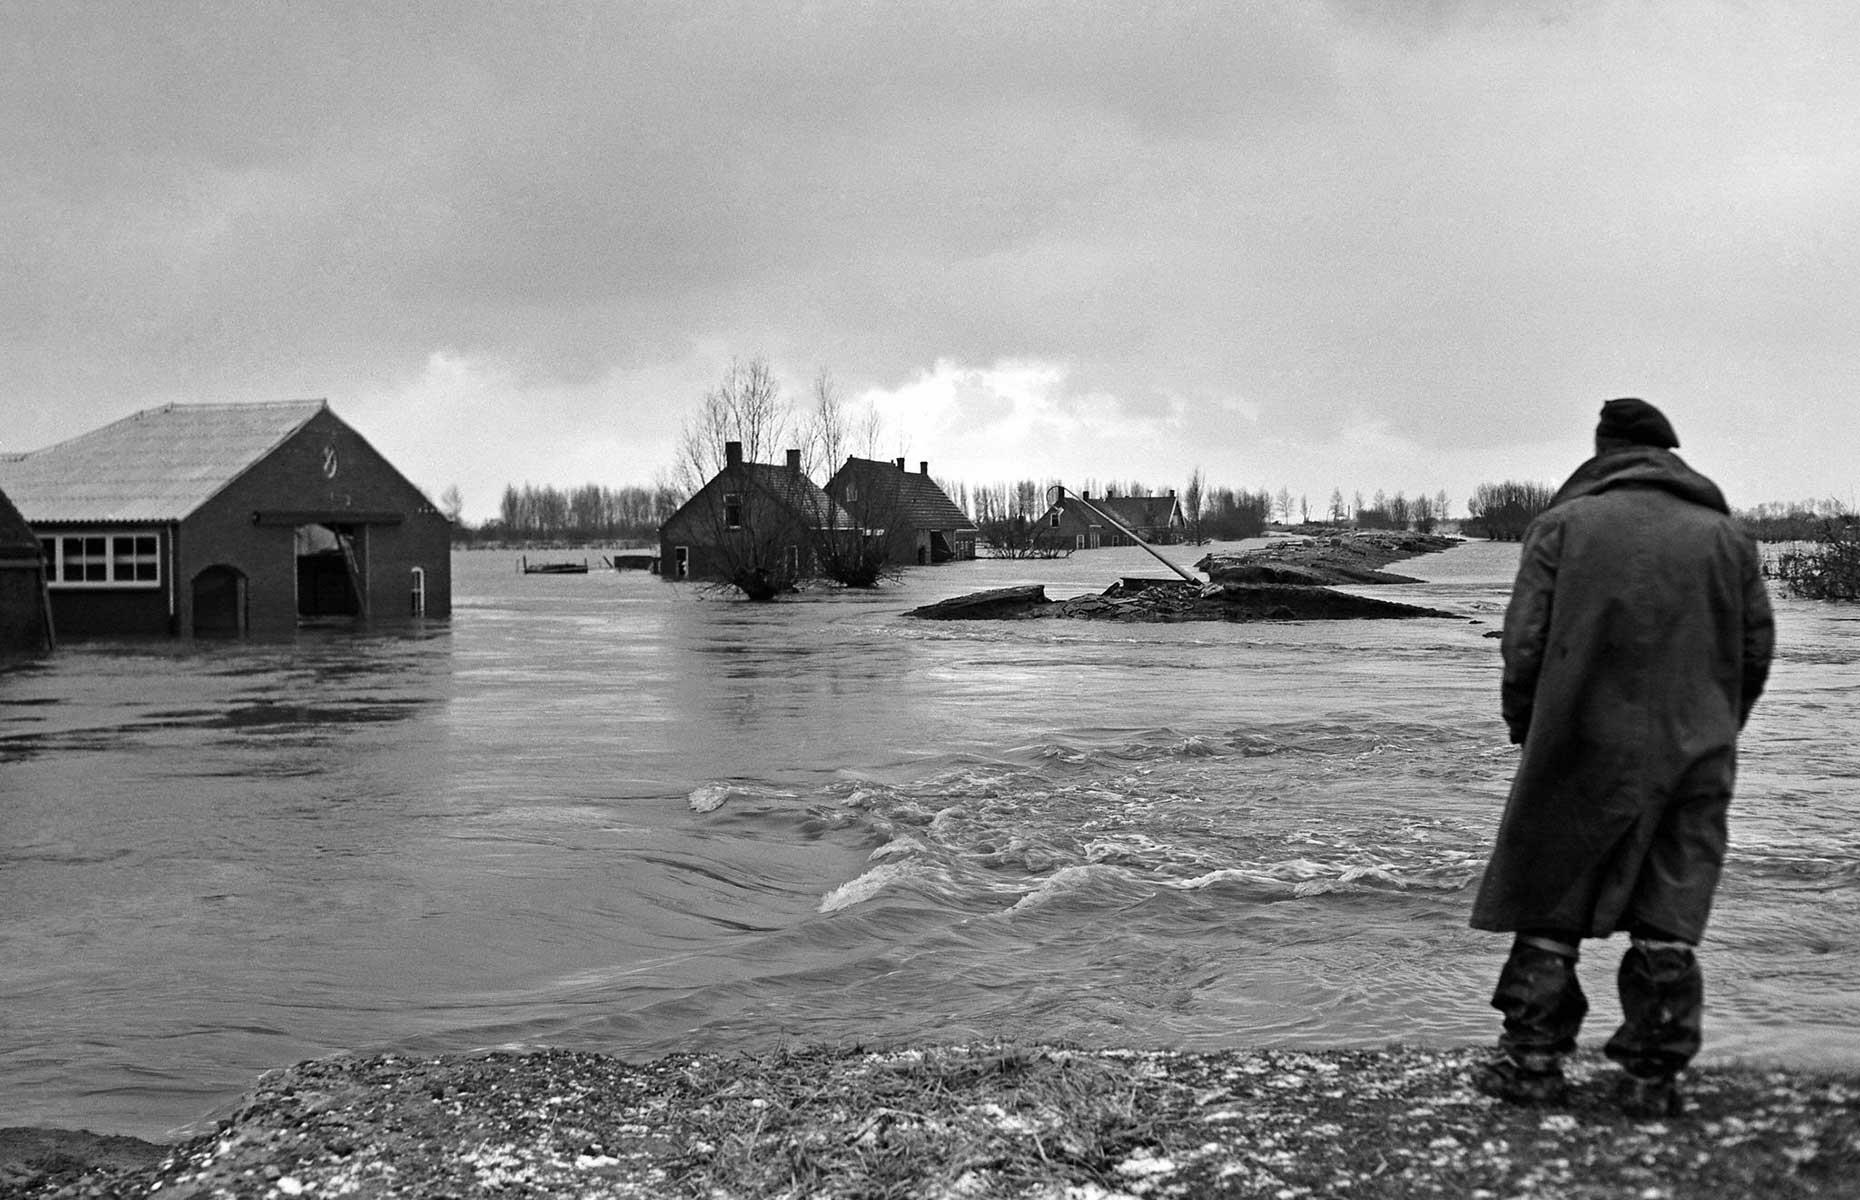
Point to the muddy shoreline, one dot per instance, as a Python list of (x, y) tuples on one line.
[(992, 1120)]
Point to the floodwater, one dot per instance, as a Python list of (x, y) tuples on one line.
[(607, 812)]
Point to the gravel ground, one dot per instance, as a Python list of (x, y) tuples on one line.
[(966, 1121)]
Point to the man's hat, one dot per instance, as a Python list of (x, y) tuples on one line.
[(1637, 423)]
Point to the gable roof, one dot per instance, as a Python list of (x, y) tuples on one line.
[(789, 488), (1140, 512), (796, 491), (160, 464), (16, 537), (920, 502)]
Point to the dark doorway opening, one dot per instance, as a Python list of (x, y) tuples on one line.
[(328, 574), (219, 602)]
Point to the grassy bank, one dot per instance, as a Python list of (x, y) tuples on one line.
[(996, 1120)]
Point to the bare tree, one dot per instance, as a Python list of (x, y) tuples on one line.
[(1191, 504), (748, 408), (1421, 512), (828, 434), (746, 513), (1502, 511)]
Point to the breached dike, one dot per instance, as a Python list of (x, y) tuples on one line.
[(1287, 581), (1164, 601), (1343, 558)]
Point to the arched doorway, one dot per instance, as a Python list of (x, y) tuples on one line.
[(219, 602)]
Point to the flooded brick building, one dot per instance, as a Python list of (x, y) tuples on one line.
[(226, 519)]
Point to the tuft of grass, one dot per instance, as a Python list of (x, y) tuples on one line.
[(1008, 1120), (825, 1122)]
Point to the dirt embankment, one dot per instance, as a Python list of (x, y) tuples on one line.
[(984, 1121), (1323, 560), (1290, 580)]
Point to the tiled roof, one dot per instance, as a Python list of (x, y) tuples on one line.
[(157, 465), (1139, 512), (798, 493), (918, 501)]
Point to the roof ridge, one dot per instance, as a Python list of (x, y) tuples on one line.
[(320, 401), (155, 409)]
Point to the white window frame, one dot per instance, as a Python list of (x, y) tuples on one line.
[(120, 562)]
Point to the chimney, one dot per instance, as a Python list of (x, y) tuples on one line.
[(794, 462), (923, 468), (900, 464), (1171, 493), (733, 454)]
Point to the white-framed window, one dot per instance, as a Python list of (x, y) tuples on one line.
[(102, 560)]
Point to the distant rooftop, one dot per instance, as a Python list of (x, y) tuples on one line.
[(799, 494), (160, 464), (920, 503), (1139, 511)]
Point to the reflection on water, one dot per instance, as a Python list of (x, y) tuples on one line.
[(609, 812)]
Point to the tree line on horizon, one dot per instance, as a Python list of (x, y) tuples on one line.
[(749, 407), (593, 513), (1002, 511)]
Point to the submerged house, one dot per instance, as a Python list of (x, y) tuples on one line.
[(759, 526), (1079, 522), (915, 518), (204, 519), (25, 615)]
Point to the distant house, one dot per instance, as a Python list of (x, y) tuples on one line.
[(25, 616), (917, 520), (756, 525), (200, 519), (1079, 522)]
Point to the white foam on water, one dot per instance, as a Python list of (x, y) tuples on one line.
[(869, 885)]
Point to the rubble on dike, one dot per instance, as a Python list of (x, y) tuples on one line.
[(1289, 580)]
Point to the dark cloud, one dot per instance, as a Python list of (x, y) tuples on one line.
[(1442, 215)]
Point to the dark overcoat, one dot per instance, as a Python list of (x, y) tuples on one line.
[(1638, 637)]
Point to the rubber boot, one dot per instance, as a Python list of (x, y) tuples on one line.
[(1662, 1027), (1543, 1006)]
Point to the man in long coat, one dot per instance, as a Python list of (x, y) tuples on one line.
[(1637, 639)]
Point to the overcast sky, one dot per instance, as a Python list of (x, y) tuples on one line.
[(1400, 245)]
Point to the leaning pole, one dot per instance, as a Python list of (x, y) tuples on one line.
[(1062, 500)]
